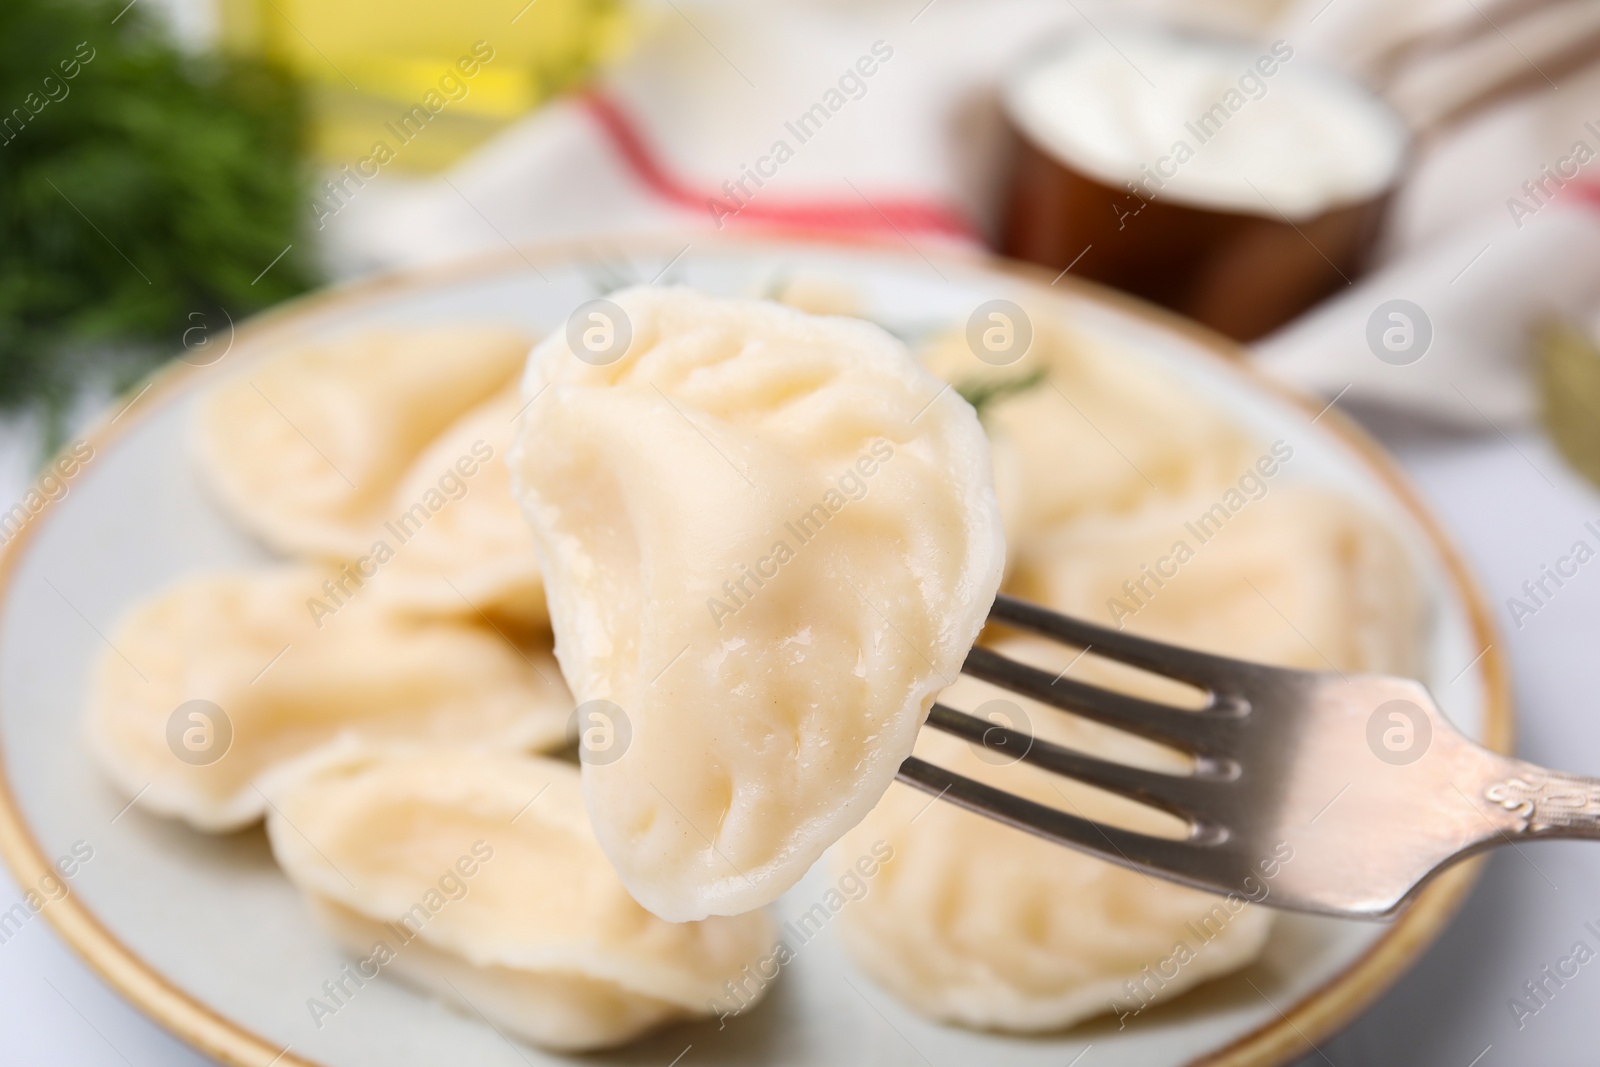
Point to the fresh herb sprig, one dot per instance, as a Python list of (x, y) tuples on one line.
[(982, 393), (142, 189)]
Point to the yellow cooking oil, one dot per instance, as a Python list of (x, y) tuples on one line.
[(424, 81)]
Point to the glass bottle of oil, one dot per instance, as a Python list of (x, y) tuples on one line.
[(425, 80)]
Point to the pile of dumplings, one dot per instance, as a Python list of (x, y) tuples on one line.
[(764, 540)]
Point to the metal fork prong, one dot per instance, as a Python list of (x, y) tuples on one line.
[(1181, 795), (1208, 672), (1182, 861), (1193, 731)]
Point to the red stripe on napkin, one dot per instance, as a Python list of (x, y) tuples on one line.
[(897, 215)]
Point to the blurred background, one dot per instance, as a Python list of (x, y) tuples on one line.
[(1419, 243)]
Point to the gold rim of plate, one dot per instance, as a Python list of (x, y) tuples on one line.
[(1312, 1018)]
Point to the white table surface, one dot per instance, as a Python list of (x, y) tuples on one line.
[(1512, 505)]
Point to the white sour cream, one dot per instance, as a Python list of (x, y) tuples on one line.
[(1235, 126)]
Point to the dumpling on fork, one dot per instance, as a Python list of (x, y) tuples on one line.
[(768, 539)]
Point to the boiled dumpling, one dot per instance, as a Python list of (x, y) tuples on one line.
[(985, 926), (473, 553), (308, 447), (219, 680), (1077, 430), (1300, 577), (817, 293), (988, 927), (768, 539), (477, 877)]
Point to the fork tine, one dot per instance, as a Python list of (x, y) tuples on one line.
[(1195, 731), (1211, 673), (1183, 861), (1179, 794)]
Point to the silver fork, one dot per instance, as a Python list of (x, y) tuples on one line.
[(1286, 761)]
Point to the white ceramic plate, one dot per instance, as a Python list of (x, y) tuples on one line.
[(205, 935)]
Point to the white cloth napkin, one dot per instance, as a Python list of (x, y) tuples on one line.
[(1482, 291), (916, 146), (684, 134)]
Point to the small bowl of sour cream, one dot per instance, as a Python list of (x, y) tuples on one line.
[(1236, 182)]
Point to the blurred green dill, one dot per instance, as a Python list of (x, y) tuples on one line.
[(140, 196), (983, 393)]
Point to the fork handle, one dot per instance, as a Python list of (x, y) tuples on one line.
[(1547, 804)]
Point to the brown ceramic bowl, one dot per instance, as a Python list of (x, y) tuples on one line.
[(1238, 273)]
